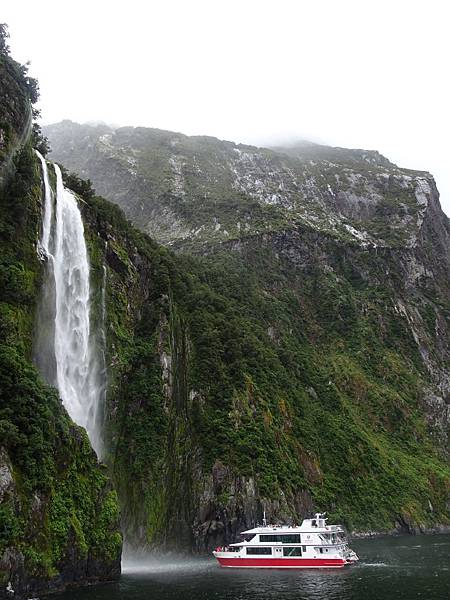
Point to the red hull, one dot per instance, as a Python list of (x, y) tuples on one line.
[(282, 563)]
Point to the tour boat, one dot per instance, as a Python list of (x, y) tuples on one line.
[(313, 544)]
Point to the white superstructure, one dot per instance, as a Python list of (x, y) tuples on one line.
[(311, 544)]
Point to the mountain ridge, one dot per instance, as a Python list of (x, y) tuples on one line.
[(188, 190)]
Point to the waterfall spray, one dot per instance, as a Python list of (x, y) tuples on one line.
[(79, 376)]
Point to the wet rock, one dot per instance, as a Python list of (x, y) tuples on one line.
[(115, 261), (6, 476)]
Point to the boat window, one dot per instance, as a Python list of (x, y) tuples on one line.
[(249, 537), (292, 551), (304, 548), (286, 538), (259, 550), (313, 523)]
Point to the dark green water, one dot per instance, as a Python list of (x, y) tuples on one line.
[(390, 568)]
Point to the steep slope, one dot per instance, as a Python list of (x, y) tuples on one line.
[(300, 361), (58, 511), (299, 388), (17, 91), (315, 379)]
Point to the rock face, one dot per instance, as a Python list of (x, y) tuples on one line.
[(22, 572), (297, 364), (15, 112), (185, 191), (295, 357)]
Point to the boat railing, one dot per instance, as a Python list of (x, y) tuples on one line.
[(326, 542), (228, 548)]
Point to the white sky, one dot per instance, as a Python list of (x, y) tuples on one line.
[(355, 73)]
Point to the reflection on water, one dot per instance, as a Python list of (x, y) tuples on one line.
[(203, 579), (402, 568), (164, 564)]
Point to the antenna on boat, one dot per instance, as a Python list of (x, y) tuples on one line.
[(264, 519)]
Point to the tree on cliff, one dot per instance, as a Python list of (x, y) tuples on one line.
[(4, 35)]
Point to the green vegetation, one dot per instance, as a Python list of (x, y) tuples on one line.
[(352, 398), (59, 507), (299, 379), (18, 91)]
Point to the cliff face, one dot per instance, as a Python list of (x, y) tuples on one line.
[(299, 362), (58, 511), (15, 111), (296, 359), (290, 370)]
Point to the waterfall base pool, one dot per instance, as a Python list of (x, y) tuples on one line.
[(400, 568)]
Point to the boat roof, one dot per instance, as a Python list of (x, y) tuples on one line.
[(305, 526)]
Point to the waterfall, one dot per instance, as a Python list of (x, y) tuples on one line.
[(79, 376), (44, 335), (48, 209)]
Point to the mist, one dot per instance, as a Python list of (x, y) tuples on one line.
[(352, 74)]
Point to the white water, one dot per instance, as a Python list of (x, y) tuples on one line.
[(48, 208), (78, 374)]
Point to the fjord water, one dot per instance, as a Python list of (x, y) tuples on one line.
[(66, 311), (400, 568)]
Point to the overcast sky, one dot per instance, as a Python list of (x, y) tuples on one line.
[(363, 74)]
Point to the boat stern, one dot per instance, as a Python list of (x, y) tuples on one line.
[(351, 557)]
